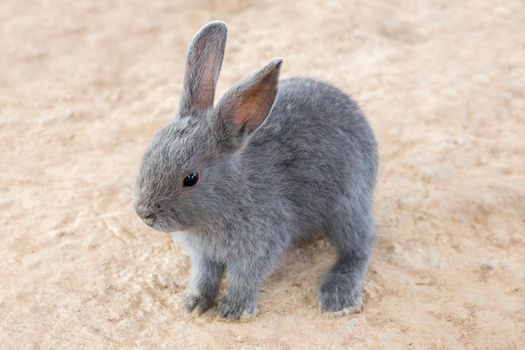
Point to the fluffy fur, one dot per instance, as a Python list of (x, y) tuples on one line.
[(277, 162)]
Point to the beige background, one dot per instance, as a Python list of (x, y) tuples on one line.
[(84, 86)]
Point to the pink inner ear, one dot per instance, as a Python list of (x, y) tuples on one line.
[(206, 92), (203, 66), (254, 106), (205, 79)]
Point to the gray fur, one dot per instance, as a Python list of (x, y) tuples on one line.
[(310, 166)]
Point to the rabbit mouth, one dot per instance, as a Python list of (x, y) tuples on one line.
[(167, 226), (164, 220)]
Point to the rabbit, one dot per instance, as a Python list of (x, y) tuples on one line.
[(272, 163)]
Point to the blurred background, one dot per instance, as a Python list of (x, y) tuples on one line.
[(85, 85)]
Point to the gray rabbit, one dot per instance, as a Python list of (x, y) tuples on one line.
[(271, 163)]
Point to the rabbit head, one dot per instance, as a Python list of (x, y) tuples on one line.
[(189, 174)]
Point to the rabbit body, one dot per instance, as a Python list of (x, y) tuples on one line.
[(277, 162)]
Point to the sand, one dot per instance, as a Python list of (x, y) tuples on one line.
[(85, 85)]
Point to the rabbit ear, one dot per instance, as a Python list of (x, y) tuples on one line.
[(244, 107), (203, 66)]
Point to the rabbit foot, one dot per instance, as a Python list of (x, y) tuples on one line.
[(339, 300), (197, 303), (235, 309)]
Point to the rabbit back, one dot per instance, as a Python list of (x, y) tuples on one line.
[(314, 149)]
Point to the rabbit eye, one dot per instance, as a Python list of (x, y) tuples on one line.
[(191, 179)]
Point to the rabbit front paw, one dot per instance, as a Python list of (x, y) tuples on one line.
[(235, 308), (198, 303)]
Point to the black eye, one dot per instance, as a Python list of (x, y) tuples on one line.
[(191, 179)]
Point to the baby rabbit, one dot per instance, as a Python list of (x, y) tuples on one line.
[(274, 161)]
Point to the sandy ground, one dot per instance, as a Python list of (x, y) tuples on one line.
[(85, 85)]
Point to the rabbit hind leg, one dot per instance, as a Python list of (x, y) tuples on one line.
[(351, 230)]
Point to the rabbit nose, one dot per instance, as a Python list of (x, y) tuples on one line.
[(145, 214)]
